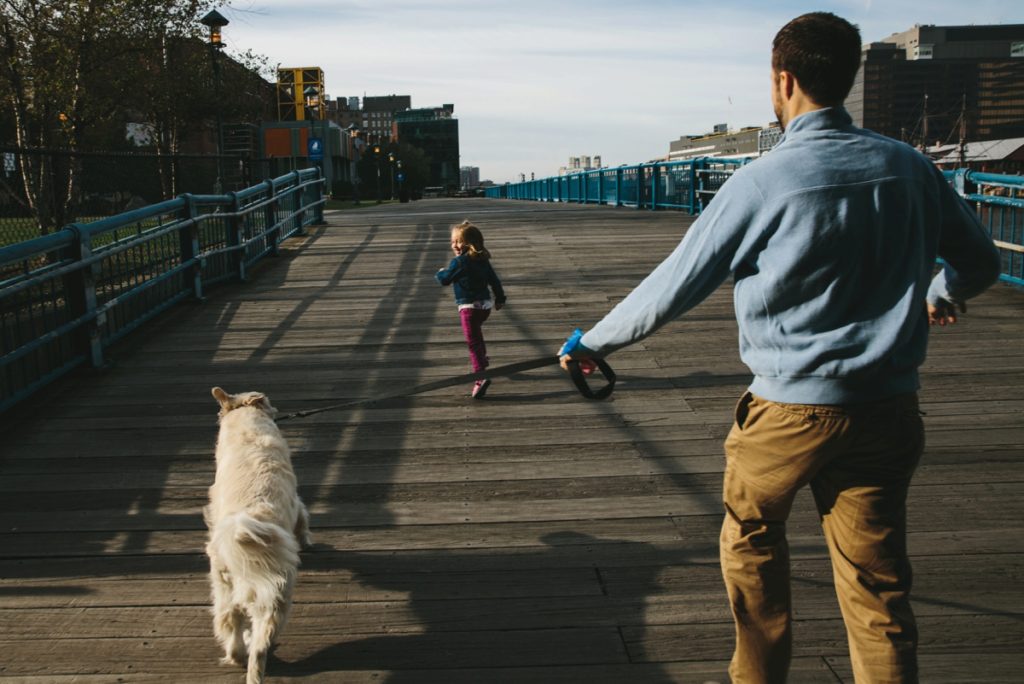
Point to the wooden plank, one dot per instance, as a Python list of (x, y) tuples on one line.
[(532, 536)]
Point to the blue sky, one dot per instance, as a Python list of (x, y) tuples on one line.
[(536, 82)]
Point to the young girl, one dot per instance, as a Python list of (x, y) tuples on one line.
[(473, 278)]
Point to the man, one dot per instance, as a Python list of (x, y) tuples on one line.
[(831, 239)]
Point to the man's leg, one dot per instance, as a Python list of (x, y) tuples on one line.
[(772, 451), (862, 501)]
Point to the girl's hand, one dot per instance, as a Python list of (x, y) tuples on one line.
[(498, 306)]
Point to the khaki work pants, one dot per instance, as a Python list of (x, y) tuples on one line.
[(858, 461)]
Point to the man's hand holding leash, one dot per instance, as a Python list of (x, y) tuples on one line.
[(944, 312)]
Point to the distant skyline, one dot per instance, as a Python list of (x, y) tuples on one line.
[(534, 83)]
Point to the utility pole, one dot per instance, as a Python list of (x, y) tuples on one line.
[(924, 125)]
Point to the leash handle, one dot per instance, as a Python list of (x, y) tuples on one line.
[(580, 379)]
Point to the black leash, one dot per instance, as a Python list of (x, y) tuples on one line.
[(575, 372)]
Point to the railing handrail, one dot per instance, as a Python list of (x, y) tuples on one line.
[(65, 297), (660, 185)]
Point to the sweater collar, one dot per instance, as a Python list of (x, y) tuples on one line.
[(819, 120)]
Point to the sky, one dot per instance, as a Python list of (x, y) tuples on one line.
[(535, 82)]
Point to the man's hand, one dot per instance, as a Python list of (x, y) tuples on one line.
[(587, 364), (572, 350), (943, 313), (498, 306)]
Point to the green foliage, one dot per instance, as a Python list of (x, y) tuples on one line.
[(73, 73)]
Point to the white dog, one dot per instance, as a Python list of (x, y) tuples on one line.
[(257, 525)]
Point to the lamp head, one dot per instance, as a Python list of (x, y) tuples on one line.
[(215, 21)]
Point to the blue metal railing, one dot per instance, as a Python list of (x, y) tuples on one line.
[(67, 296), (999, 201), (690, 185), (686, 185)]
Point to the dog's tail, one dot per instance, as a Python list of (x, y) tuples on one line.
[(255, 548)]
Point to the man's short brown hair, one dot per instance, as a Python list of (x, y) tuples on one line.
[(823, 52)]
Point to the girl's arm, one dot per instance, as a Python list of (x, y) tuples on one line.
[(446, 276), (495, 283)]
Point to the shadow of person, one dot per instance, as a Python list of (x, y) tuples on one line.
[(575, 604)]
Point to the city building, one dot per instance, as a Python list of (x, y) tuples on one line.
[(746, 142), (346, 112), (435, 131), (934, 85), (469, 177), (376, 116), (582, 163)]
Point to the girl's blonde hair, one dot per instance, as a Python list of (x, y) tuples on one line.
[(471, 236)]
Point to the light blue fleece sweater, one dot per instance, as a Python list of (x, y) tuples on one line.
[(832, 239)]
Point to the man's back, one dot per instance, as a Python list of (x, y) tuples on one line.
[(836, 263)]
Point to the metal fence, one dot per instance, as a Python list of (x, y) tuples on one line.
[(67, 296), (686, 185), (999, 201), (109, 183), (690, 185)]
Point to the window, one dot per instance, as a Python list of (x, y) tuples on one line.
[(1017, 49)]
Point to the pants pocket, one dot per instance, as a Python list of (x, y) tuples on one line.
[(742, 410)]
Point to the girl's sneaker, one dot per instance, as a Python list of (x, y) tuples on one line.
[(480, 388)]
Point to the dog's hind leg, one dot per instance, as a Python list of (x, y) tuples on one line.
[(265, 626), (302, 527), (228, 621)]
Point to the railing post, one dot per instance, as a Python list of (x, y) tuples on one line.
[(639, 186), (235, 236), (960, 181), (618, 186), (273, 230), (300, 205), (188, 241), (691, 194), (80, 289), (654, 187), (317, 192)]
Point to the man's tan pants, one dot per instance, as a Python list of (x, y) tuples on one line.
[(858, 461)]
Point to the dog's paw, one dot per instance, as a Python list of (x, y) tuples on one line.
[(236, 660)]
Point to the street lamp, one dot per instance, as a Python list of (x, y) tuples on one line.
[(376, 154), (312, 97), (215, 21), (391, 168), (357, 152), (401, 177)]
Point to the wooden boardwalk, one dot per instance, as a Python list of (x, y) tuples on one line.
[(530, 537)]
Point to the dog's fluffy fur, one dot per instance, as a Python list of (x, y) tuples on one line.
[(257, 525)]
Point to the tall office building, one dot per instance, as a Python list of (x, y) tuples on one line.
[(469, 177), (435, 131), (933, 84)]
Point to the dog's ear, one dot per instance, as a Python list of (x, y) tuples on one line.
[(257, 399), (222, 397)]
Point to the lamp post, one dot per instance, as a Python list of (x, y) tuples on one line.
[(401, 179), (391, 170), (357, 152), (376, 154), (215, 21)]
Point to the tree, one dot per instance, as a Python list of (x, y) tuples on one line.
[(65, 66)]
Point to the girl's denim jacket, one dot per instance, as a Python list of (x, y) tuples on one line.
[(470, 279)]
